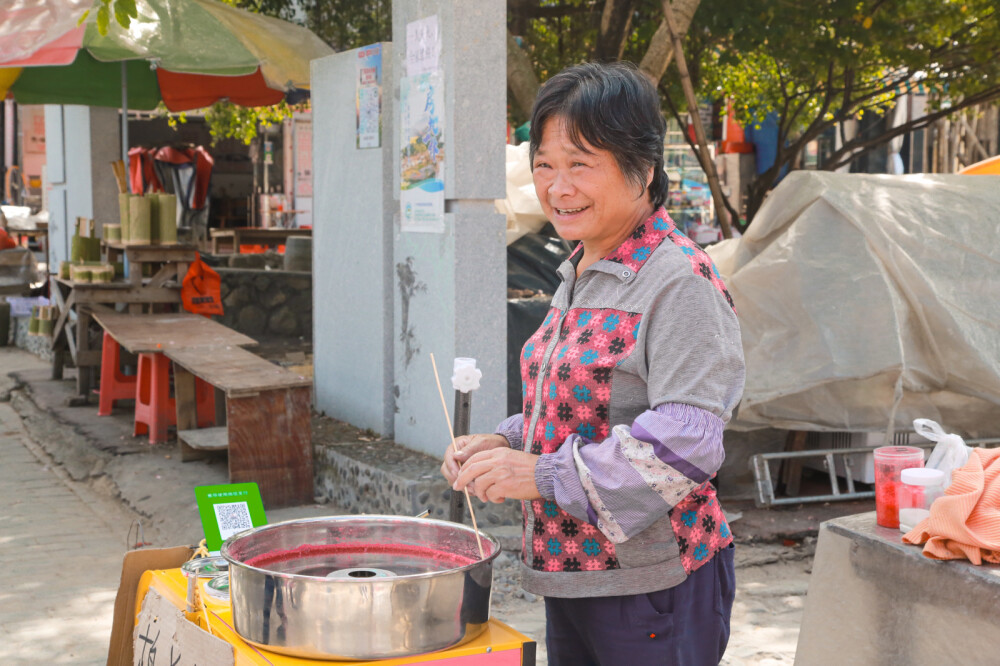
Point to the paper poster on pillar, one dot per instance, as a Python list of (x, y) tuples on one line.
[(368, 103), (422, 153)]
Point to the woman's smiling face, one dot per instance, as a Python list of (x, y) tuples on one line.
[(584, 193)]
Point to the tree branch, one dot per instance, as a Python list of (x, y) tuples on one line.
[(699, 131), (660, 53), (859, 146), (521, 77), (533, 11), (616, 21), (734, 215)]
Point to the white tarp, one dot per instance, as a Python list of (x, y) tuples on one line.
[(867, 301), (524, 213)]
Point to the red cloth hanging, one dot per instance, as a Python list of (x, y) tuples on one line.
[(203, 164), (142, 175)]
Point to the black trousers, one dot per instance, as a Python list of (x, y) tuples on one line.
[(686, 625)]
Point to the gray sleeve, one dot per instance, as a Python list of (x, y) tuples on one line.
[(694, 354), (512, 428)]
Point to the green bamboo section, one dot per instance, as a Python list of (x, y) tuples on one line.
[(140, 215)]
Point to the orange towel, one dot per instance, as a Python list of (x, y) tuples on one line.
[(965, 521)]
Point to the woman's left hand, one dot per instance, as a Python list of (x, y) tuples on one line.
[(498, 474)]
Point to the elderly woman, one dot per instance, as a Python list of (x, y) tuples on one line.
[(628, 384)]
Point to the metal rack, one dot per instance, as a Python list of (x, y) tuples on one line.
[(764, 495)]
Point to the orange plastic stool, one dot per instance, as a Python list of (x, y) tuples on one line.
[(114, 384), (155, 410)]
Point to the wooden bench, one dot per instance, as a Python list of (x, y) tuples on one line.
[(266, 408), (267, 420)]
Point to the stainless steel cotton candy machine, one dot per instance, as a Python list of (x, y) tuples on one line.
[(360, 587)]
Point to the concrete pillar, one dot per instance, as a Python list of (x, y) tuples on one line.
[(353, 284), (450, 287)]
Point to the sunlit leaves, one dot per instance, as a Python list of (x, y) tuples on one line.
[(831, 59), (124, 11)]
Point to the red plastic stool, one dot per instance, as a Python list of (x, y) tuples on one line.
[(154, 408), (114, 384)]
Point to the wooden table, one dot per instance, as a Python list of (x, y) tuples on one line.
[(268, 429), (168, 264), (229, 240), (159, 333), (76, 302), (40, 235), (267, 408)]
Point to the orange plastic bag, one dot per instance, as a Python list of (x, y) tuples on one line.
[(201, 292), (6, 242)]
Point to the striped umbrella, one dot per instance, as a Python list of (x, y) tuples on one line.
[(187, 53)]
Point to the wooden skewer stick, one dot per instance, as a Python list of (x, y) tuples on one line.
[(451, 433)]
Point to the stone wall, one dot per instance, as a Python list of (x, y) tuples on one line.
[(39, 345), (386, 478), (267, 304)]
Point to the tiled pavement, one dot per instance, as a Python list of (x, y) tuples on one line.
[(60, 555)]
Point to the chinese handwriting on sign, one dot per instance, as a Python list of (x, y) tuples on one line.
[(423, 46), (148, 655)]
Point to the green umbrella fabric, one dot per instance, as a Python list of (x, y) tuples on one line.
[(179, 35), (90, 83)]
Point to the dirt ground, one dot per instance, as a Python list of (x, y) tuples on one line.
[(773, 557), (771, 584)]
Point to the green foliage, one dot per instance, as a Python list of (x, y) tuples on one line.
[(229, 121), (124, 12), (343, 24), (226, 120), (828, 60)]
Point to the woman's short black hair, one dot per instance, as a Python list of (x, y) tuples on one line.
[(612, 107)]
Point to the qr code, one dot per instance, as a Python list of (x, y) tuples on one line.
[(232, 518)]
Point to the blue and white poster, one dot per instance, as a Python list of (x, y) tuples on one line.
[(422, 151), (368, 103)]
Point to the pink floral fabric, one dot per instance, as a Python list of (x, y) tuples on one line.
[(575, 395), (572, 386)]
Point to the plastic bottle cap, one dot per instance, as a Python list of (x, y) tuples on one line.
[(921, 476)]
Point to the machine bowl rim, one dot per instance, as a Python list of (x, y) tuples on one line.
[(233, 562)]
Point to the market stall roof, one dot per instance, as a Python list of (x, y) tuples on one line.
[(867, 301)]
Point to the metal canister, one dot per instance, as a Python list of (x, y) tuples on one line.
[(380, 599)]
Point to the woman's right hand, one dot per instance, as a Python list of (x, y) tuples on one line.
[(468, 445)]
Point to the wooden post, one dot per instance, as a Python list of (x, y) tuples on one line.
[(187, 411), (699, 130)]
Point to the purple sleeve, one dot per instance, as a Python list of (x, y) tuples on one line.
[(627, 482), (512, 428)]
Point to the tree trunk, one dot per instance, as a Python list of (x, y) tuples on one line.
[(660, 52), (676, 37), (521, 79), (616, 22)]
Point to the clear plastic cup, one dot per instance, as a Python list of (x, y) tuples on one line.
[(890, 461), (918, 489)]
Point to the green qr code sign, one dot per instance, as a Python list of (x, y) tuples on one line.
[(227, 510)]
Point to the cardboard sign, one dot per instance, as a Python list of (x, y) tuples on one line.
[(228, 509), (163, 636), (134, 564)]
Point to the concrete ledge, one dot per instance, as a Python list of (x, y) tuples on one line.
[(875, 600)]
